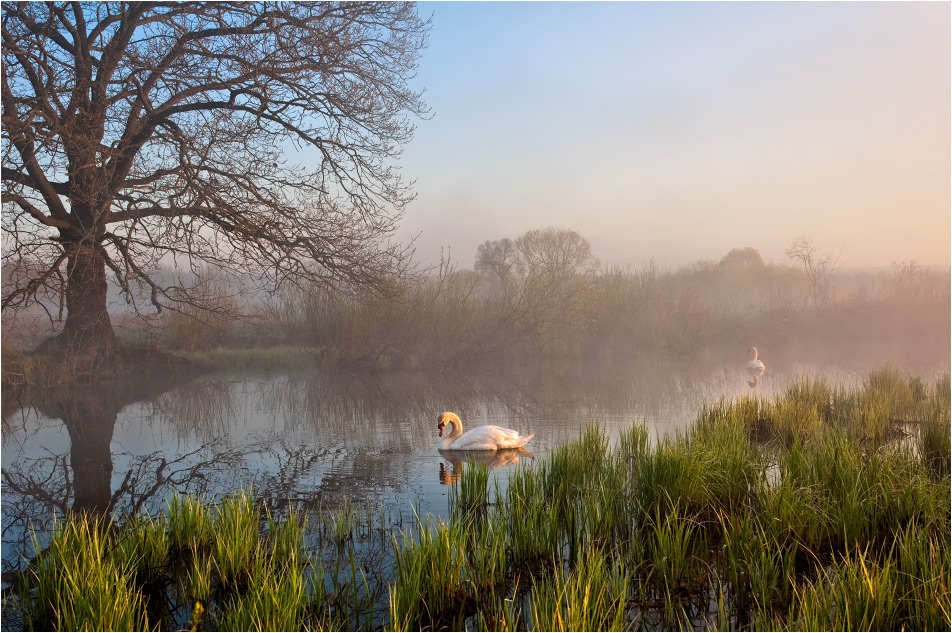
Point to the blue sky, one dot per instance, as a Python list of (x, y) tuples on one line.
[(673, 132)]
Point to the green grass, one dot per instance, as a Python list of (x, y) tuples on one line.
[(80, 585), (592, 596), (277, 357), (801, 513)]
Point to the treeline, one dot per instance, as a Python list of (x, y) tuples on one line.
[(544, 294)]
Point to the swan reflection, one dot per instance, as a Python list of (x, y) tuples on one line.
[(450, 473)]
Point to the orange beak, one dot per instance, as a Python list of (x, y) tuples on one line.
[(440, 427)]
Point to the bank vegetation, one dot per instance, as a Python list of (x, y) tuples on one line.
[(545, 295)]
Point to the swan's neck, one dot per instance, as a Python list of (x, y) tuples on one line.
[(753, 353), (453, 435)]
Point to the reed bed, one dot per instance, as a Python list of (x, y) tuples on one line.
[(818, 510), (199, 565), (823, 509)]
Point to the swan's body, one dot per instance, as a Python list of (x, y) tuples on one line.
[(481, 438), (755, 368)]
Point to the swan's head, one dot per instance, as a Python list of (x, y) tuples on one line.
[(448, 417), (752, 352)]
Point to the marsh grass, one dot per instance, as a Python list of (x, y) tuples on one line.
[(226, 565), (190, 523), (592, 596), (789, 514), (428, 585), (78, 585), (802, 501)]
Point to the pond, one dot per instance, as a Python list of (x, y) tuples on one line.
[(311, 439)]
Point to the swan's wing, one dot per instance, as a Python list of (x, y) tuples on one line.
[(521, 441), (483, 438)]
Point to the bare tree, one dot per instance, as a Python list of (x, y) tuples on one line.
[(557, 267), (497, 257), (820, 270), (135, 132), (552, 251)]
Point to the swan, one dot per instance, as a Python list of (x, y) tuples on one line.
[(755, 368), (482, 438)]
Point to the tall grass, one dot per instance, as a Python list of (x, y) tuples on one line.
[(789, 512), (79, 585), (428, 584), (593, 596), (199, 564)]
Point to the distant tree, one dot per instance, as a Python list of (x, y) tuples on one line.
[(820, 269), (140, 132), (554, 252), (742, 258), (496, 257), (556, 267)]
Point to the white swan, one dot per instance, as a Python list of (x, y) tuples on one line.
[(482, 438), (755, 368)]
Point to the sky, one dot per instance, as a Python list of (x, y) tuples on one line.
[(673, 132)]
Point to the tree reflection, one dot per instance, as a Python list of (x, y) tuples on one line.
[(47, 485)]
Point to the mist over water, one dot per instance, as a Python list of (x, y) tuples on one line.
[(320, 439)]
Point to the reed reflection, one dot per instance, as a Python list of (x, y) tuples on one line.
[(452, 470)]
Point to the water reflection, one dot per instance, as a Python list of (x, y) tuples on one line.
[(88, 417), (315, 439), (494, 460)]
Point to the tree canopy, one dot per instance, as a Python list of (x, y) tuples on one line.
[(136, 133)]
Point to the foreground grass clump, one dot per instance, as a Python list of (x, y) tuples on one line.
[(823, 509), (201, 565), (80, 586)]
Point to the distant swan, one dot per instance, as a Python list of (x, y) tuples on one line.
[(482, 438), (755, 368)]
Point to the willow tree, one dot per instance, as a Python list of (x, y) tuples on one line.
[(140, 133)]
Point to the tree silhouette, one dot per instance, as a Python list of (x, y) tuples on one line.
[(140, 133), (820, 270)]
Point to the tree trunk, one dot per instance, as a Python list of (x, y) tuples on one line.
[(88, 338)]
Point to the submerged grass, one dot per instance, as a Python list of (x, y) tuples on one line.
[(809, 512)]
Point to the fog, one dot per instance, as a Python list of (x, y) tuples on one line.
[(666, 137), (674, 132)]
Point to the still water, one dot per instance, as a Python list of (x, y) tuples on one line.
[(313, 438)]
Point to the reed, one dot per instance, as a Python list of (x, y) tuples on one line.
[(469, 499), (80, 585), (280, 356), (672, 544), (857, 594), (428, 586), (593, 596), (190, 523), (276, 598), (235, 542)]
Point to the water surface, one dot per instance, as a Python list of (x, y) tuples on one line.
[(317, 438)]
